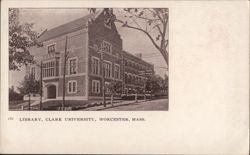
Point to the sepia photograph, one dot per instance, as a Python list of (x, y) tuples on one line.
[(124, 77), (89, 59)]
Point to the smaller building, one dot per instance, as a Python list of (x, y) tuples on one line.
[(135, 70)]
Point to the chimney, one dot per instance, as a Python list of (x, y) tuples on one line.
[(138, 55)]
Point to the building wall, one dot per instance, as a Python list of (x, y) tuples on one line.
[(81, 86), (76, 45), (82, 45), (134, 70), (97, 34)]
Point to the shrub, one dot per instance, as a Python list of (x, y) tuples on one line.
[(14, 96)]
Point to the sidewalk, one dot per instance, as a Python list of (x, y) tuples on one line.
[(117, 104)]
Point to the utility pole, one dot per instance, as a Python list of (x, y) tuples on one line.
[(136, 95), (41, 85), (123, 74), (29, 101), (103, 80), (143, 72), (64, 69), (145, 85)]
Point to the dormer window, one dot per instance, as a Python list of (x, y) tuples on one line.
[(51, 49), (107, 47)]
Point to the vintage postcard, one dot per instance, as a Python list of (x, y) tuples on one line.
[(83, 60), (124, 77)]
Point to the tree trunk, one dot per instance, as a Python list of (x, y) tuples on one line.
[(136, 97), (64, 70), (104, 94), (41, 85), (29, 102), (112, 99)]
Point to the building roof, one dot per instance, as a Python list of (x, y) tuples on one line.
[(67, 27), (139, 59)]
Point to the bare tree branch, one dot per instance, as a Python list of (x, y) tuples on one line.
[(160, 23), (159, 29), (160, 18), (152, 19), (153, 27), (142, 30), (162, 51)]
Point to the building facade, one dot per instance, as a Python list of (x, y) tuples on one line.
[(90, 52)]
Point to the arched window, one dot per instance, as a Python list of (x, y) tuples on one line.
[(126, 78), (129, 79)]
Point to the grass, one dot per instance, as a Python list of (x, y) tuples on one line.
[(55, 104), (14, 103), (17, 105)]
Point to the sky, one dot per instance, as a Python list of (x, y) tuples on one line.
[(133, 41)]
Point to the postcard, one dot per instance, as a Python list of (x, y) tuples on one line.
[(125, 77)]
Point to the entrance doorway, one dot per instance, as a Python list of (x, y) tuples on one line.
[(51, 93)]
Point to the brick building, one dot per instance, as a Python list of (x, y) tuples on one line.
[(90, 41)]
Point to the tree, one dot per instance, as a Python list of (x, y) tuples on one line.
[(152, 84), (114, 87), (21, 38), (151, 22), (29, 85), (13, 95), (165, 83)]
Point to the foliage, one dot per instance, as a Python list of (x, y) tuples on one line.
[(21, 37), (14, 96), (152, 22), (156, 84), (152, 84), (165, 83), (114, 87), (29, 85)]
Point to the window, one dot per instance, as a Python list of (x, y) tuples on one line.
[(117, 71), (140, 68), (72, 87), (48, 69), (51, 48), (96, 86), (107, 47), (126, 91), (72, 66), (126, 78), (129, 64), (133, 79), (107, 88), (95, 66), (96, 48), (129, 79), (107, 69), (33, 72), (125, 62)]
